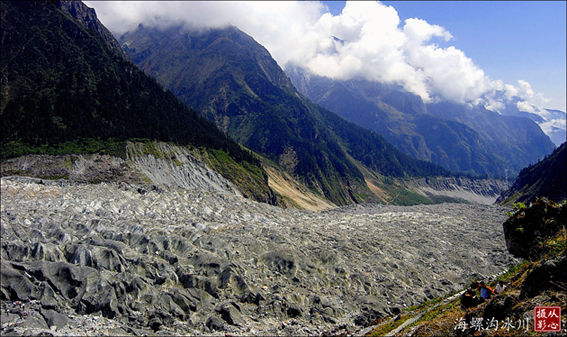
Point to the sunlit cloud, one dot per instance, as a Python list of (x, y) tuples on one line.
[(367, 40)]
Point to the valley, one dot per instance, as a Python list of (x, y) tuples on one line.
[(199, 261), (175, 182)]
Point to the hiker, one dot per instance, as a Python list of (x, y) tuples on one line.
[(469, 299), (485, 291), (474, 285), (500, 287)]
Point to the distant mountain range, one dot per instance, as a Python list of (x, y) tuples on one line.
[(548, 178), (456, 136), (557, 134), (232, 80)]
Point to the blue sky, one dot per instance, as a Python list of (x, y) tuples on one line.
[(484, 53), (509, 40)]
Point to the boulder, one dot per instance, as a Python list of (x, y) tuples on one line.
[(526, 228), (53, 318), (230, 313), (549, 274)]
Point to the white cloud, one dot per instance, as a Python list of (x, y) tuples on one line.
[(366, 40)]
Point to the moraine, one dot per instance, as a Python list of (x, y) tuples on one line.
[(201, 262)]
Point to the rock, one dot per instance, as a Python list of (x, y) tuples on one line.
[(281, 261), (7, 318), (215, 323), (529, 226), (550, 274), (482, 191), (498, 307), (294, 311), (47, 296), (54, 319), (181, 171), (230, 312), (10, 332), (15, 284), (155, 323), (33, 319), (137, 262), (31, 332), (371, 310)]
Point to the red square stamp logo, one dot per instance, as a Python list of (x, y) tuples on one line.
[(547, 319)]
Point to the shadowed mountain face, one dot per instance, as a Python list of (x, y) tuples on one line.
[(68, 87), (457, 137), (544, 179), (516, 141), (62, 80), (232, 80)]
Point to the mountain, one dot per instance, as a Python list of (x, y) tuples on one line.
[(457, 137), (552, 122), (544, 179), (232, 80), (518, 141), (68, 87), (557, 133)]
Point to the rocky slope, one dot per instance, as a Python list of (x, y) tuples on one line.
[(163, 165), (480, 191), (192, 261), (148, 164), (544, 179), (536, 233)]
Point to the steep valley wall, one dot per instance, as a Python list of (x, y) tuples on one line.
[(478, 191)]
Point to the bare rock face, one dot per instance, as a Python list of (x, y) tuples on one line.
[(179, 261), (92, 168), (478, 191), (169, 166), (177, 169)]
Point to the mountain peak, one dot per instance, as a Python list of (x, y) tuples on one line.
[(232, 80), (86, 17)]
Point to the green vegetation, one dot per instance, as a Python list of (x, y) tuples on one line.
[(439, 315), (425, 305), (232, 80), (554, 246), (66, 90), (442, 320), (544, 179), (110, 146), (251, 180), (403, 197), (516, 208), (429, 310), (389, 325)]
